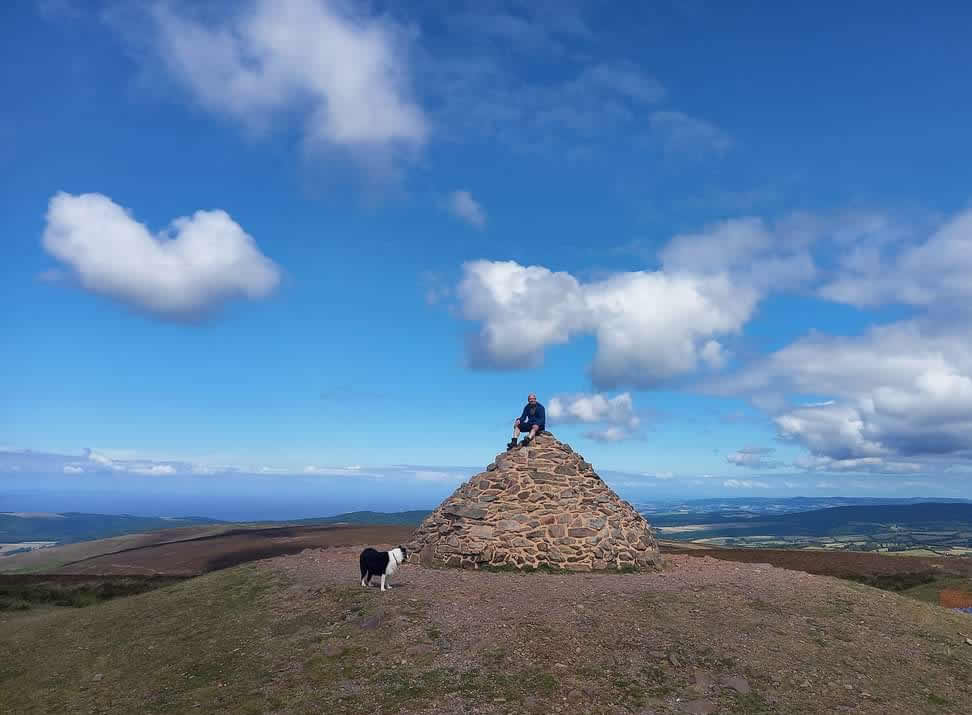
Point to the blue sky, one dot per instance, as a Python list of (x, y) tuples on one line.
[(268, 243)]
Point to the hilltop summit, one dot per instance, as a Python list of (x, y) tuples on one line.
[(541, 505)]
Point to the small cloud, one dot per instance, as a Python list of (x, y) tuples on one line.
[(752, 457), (98, 459), (72, 469), (872, 465), (271, 470), (688, 135), (660, 475), (205, 469), (153, 470), (617, 413), (464, 206), (744, 484), (436, 287), (354, 470), (427, 475), (611, 434)]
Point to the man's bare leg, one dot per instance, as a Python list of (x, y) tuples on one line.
[(516, 433), (533, 433)]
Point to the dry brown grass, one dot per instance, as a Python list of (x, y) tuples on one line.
[(954, 598)]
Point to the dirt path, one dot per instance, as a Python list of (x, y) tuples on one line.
[(703, 636)]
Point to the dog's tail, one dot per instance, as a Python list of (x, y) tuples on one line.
[(364, 568)]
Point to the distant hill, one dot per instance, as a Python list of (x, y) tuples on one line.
[(71, 527), (382, 518), (74, 527), (674, 513), (717, 503), (835, 521)]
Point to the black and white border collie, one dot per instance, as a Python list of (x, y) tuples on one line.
[(380, 563)]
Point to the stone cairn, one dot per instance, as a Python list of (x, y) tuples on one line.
[(541, 505)]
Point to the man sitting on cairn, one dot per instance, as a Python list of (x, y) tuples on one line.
[(533, 420)]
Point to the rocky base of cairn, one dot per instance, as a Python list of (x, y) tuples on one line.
[(533, 507)]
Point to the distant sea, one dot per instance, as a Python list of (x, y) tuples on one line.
[(227, 498)]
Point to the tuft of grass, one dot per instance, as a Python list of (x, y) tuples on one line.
[(15, 592), (899, 581), (14, 603)]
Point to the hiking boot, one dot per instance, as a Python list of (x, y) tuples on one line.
[(525, 442), (511, 445)]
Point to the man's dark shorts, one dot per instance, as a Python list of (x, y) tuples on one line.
[(527, 426)]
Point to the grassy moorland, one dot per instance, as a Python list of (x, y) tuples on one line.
[(296, 634)]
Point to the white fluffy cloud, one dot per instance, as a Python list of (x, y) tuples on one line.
[(649, 326), (763, 256), (194, 265), (882, 269), (895, 400), (615, 413), (618, 410), (900, 395), (343, 71), (464, 206)]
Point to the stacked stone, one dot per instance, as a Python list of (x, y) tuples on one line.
[(535, 506)]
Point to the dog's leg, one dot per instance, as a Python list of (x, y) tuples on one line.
[(383, 586)]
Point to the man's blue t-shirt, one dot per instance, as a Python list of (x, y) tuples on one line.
[(538, 417)]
